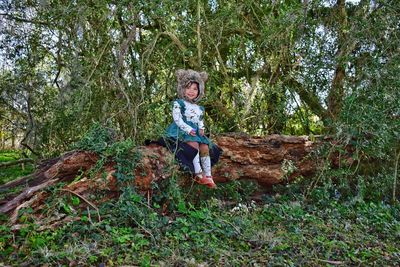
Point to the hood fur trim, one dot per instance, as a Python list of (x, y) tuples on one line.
[(184, 77)]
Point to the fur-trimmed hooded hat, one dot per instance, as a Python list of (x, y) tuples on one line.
[(185, 77)]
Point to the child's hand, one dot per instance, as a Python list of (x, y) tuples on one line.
[(193, 132), (201, 132)]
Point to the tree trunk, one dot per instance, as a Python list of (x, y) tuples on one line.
[(336, 94), (2, 137), (268, 160), (13, 139)]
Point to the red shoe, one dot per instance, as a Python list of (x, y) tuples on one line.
[(205, 180), (211, 184)]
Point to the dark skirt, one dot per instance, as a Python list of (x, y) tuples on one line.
[(185, 154)]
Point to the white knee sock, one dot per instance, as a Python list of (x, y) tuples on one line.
[(206, 163), (196, 164)]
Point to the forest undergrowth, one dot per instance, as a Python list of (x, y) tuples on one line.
[(235, 225)]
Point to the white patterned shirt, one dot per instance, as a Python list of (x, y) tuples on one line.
[(193, 113)]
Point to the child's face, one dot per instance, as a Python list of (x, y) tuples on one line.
[(192, 91)]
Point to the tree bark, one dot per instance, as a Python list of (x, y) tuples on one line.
[(268, 160), (336, 94)]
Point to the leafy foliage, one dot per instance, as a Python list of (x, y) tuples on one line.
[(193, 225), (272, 66), (98, 139), (278, 230)]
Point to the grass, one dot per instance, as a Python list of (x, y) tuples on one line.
[(11, 173), (277, 231), (8, 155)]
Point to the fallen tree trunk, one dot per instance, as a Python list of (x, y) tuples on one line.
[(268, 160)]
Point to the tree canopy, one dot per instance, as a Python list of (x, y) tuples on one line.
[(294, 67)]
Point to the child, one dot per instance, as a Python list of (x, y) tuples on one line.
[(188, 125)]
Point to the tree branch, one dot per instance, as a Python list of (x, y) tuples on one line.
[(15, 162), (18, 19), (309, 98)]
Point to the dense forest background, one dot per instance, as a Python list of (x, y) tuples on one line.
[(310, 67), (287, 67), (293, 67)]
